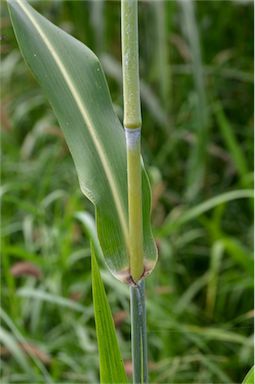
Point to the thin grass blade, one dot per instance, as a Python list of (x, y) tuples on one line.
[(111, 364), (232, 144), (197, 160), (172, 224)]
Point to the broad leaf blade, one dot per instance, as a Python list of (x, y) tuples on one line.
[(111, 364), (74, 83)]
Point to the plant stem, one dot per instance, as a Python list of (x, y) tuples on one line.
[(138, 330), (130, 64), (132, 124)]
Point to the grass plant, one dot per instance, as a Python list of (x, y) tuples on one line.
[(199, 298), (95, 155)]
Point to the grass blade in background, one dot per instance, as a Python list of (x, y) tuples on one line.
[(8, 341), (197, 160), (172, 224), (13, 342), (63, 66), (162, 53), (215, 263), (97, 18), (232, 144), (111, 364)]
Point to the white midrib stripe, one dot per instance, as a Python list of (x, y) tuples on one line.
[(87, 119)]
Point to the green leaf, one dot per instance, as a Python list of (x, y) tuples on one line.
[(72, 79), (89, 224), (249, 378), (41, 295), (232, 143), (111, 364)]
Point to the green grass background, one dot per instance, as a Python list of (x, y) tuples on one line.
[(197, 144)]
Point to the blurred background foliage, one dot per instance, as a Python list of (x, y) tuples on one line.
[(196, 72)]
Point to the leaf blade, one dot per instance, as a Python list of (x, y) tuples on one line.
[(63, 66), (111, 364)]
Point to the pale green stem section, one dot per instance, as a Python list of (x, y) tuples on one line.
[(130, 64), (139, 337), (136, 262), (132, 124)]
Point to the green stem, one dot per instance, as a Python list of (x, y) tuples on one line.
[(138, 330), (132, 124), (135, 204), (130, 64)]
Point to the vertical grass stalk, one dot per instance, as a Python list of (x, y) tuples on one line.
[(139, 337), (132, 124)]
